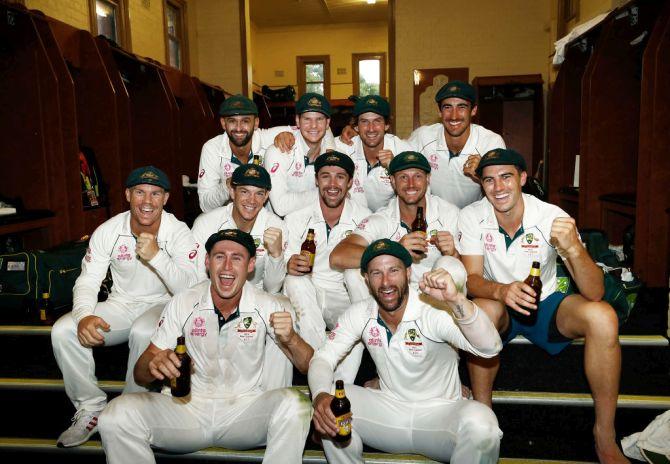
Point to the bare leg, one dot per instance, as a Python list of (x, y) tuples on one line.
[(597, 323), (483, 371)]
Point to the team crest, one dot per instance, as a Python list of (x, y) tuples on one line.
[(246, 329), (314, 102), (372, 101), (252, 172), (149, 175), (529, 238), (236, 104), (413, 343), (412, 335)]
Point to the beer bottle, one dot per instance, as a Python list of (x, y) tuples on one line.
[(181, 386), (533, 280), (341, 408), (256, 160), (420, 224), (308, 248), (46, 309)]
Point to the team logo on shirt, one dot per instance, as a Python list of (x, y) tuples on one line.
[(413, 343), (374, 339), (201, 173), (489, 245), (246, 329), (198, 329), (227, 167), (529, 244), (529, 238), (123, 254), (192, 254)]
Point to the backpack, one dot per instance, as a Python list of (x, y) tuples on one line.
[(285, 94)]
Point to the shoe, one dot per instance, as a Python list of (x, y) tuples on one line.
[(84, 424)]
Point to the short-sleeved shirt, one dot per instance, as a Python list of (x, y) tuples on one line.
[(372, 184), (227, 355), (386, 223), (269, 272), (325, 238), (217, 163), (447, 179), (509, 259)]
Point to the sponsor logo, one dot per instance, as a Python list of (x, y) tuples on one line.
[(331, 335), (160, 323), (433, 158), (246, 329), (490, 247), (274, 168), (434, 165), (226, 167), (124, 257), (201, 173), (123, 249), (192, 254), (374, 331), (460, 234), (199, 321), (489, 237), (374, 342)]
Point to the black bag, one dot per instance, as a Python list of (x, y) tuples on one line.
[(26, 275), (285, 94)]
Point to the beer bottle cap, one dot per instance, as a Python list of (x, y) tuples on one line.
[(45, 295), (339, 384)]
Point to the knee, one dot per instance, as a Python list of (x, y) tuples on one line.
[(293, 284), (601, 320), (117, 416), (143, 328), (63, 329), (479, 425), (455, 268), (495, 312), (294, 407)]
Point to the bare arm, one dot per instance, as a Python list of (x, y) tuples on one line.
[(291, 344), (347, 254), (156, 364)]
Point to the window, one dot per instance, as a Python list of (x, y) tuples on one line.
[(369, 73), (110, 18), (314, 75), (175, 34), (568, 15)]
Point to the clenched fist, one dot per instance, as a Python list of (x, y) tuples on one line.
[(444, 242), (470, 167), (565, 238), (282, 323), (147, 246), (385, 157), (272, 240)]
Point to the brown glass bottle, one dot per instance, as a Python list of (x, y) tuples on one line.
[(181, 386), (46, 310), (420, 224), (341, 408), (534, 281), (308, 248), (256, 160)]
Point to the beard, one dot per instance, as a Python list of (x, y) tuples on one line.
[(243, 142), (390, 306)]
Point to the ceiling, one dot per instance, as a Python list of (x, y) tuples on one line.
[(275, 13)]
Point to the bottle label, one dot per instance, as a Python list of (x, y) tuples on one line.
[(43, 314), (181, 349), (309, 256), (534, 272), (343, 424)]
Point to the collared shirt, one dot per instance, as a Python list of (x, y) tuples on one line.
[(372, 184), (269, 272), (386, 223), (217, 163), (418, 362), (447, 179), (509, 259), (311, 217), (112, 246), (227, 359), (293, 184)]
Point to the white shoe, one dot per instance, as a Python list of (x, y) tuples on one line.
[(84, 424)]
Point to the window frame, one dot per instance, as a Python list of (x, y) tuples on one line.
[(180, 6), (302, 61), (356, 58), (122, 26), (568, 12)]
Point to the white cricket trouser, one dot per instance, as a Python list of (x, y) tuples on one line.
[(319, 307), (76, 361), (279, 419), (460, 432), (356, 287)]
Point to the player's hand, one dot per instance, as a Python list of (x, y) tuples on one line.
[(372, 384), (298, 265), (415, 243), (284, 141), (146, 246), (282, 323), (272, 240), (519, 296), (347, 134), (385, 157), (440, 285), (565, 238), (87, 331), (470, 167), (444, 242), (165, 365), (323, 418)]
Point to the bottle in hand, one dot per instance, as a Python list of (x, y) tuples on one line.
[(420, 224), (341, 408), (533, 280), (256, 160), (181, 386), (46, 311), (308, 248)]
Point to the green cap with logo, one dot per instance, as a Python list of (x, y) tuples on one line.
[(500, 156), (385, 246), (238, 105), (234, 235), (406, 160), (458, 89), (251, 174), (372, 104), (148, 175), (313, 102), (335, 158)]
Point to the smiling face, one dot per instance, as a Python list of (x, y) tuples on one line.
[(410, 185), (229, 265), (371, 128), (333, 183), (248, 200), (502, 186), (240, 128), (313, 126), (388, 280), (456, 115), (146, 205)]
